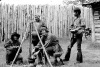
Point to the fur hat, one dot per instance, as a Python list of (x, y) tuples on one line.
[(15, 34)]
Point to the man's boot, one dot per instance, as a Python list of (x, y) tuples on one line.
[(55, 62), (19, 60), (67, 56), (61, 61), (8, 59), (79, 57), (31, 60)]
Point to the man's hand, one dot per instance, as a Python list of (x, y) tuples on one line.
[(12, 47), (15, 47)]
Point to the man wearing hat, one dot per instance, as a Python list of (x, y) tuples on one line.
[(12, 47), (77, 29), (51, 44)]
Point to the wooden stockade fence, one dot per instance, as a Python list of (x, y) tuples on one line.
[(58, 18)]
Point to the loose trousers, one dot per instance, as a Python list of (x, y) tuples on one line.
[(74, 39)]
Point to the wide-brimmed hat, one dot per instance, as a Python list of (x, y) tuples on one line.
[(44, 28), (15, 34)]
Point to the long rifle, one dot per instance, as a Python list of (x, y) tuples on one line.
[(30, 46)]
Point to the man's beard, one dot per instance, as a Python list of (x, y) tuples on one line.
[(15, 40)]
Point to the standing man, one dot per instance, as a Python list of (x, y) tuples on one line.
[(77, 29), (38, 24)]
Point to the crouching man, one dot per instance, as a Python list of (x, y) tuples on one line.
[(51, 44), (11, 49)]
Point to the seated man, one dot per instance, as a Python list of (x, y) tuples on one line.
[(11, 49)]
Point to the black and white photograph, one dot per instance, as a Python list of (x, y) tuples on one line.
[(49, 33)]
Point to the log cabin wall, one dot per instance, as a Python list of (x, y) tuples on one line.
[(96, 20)]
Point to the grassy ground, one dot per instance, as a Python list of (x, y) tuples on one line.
[(91, 54)]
